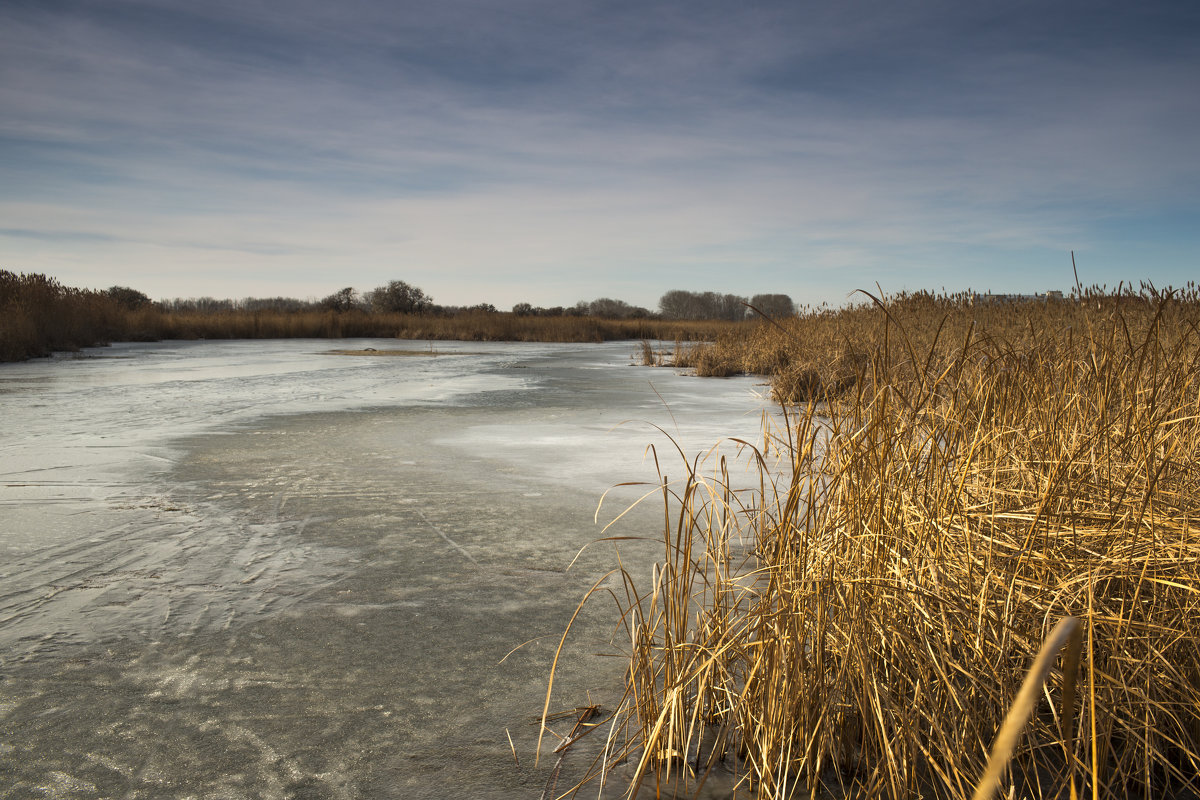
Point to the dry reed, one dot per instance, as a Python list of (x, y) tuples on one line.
[(38, 315), (962, 479)]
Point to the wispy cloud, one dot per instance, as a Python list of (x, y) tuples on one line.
[(550, 151)]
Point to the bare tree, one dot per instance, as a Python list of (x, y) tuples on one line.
[(127, 298), (680, 304), (775, 306), (399, 297), (609, 308), (283, 304), (728, 306), (343, 300)]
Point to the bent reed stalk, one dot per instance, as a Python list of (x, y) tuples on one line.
[(961, 479)]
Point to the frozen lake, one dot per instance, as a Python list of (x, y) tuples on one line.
[(259, 569)]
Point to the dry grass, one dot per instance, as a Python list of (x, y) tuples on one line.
[(38, 315), (964, 478), (468, 326)]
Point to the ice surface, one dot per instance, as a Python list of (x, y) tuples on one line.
[(256, 569)]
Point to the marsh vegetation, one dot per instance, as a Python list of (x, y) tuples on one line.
[(950, 481), (39, 315)]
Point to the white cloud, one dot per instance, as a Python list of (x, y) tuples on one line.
[(286, 153)]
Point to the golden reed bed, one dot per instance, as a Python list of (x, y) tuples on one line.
[(951, 481)]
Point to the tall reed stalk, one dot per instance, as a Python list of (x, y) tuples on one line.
[(959, 480)]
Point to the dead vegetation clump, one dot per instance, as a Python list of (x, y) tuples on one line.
[(914, 534)]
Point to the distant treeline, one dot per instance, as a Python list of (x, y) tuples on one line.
[(38, 315), (404, 298)]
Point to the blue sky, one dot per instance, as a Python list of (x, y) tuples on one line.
[(550, 151)]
